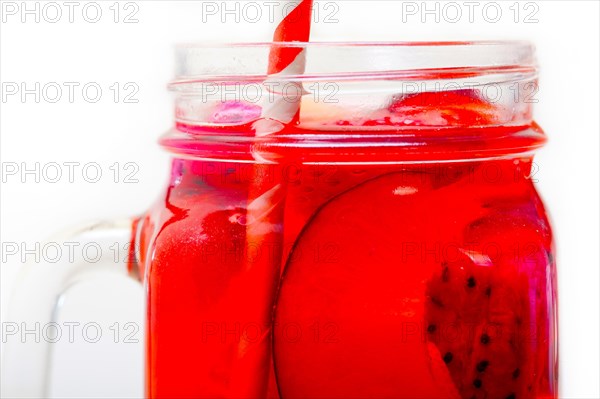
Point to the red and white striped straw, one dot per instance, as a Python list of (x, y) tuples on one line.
[(264, 212), (293, 26)]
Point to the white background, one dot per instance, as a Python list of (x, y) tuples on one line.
[(567, 38)]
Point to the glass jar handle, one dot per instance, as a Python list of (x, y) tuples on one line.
[(38, 291)]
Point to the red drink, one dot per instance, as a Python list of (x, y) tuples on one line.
[(402, 255)]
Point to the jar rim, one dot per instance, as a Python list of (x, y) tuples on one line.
[(359, 117), (248, 62)]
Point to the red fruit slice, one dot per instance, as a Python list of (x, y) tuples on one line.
[(210, 294), (452, 98), (311, 186), (349, 315), (473, 332), (444, 108), (487, 310), (433, 109), (194, 265)]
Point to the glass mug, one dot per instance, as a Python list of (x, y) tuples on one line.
[(387, 243)]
